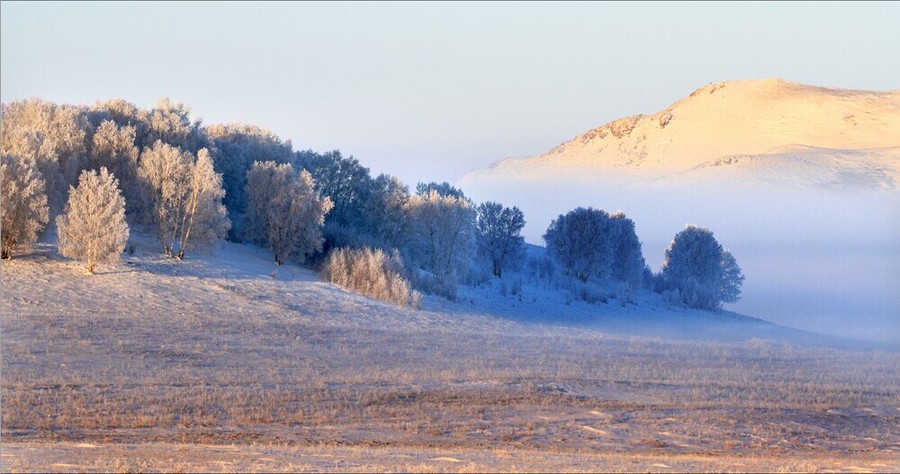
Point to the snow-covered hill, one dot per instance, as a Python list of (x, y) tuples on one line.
[(738, 118)]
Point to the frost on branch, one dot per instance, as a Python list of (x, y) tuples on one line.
[(182, 196), (699, 271), (24, 207), (284, 211), (93, 228)]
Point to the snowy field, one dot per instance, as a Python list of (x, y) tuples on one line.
[(227, 362)]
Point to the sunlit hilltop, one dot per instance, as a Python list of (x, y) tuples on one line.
[(770, 117)]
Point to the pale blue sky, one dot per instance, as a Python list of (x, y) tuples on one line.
[(427, 91)]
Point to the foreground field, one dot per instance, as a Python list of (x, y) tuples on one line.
[(226, 363)]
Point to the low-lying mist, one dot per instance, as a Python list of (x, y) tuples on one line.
[(815, 259)]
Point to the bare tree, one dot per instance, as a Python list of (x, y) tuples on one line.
[(92, 228), (24, 208)]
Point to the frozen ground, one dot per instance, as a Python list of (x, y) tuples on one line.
[(226, 362)]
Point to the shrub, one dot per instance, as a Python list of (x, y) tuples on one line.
[(372, 273)]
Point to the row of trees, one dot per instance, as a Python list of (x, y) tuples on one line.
[(192, 185)]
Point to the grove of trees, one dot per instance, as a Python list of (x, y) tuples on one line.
[(192, 184)]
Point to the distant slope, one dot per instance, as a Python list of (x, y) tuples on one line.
[(738, 118)]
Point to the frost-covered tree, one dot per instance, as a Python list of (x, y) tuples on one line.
[(284, 211), (349, 185), (113, 147), (591, 243), (171, 123), (499, 236), (205, 219), (182, 196), (123, 114), (628, 263), (238, 146), (579, 241), (92, 228), (703, 273), (442, 237), (386, 210), (24, 203), (732, 279), (55, 136), (444, 189)]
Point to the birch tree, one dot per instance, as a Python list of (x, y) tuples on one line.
[(182, 197)]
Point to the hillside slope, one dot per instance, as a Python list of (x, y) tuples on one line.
[(227, 362)]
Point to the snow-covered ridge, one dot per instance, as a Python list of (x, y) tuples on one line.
[(751, 117)]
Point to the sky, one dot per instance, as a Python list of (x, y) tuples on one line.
[(428, 91)]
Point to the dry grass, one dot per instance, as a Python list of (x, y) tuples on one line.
[(268, 376)]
